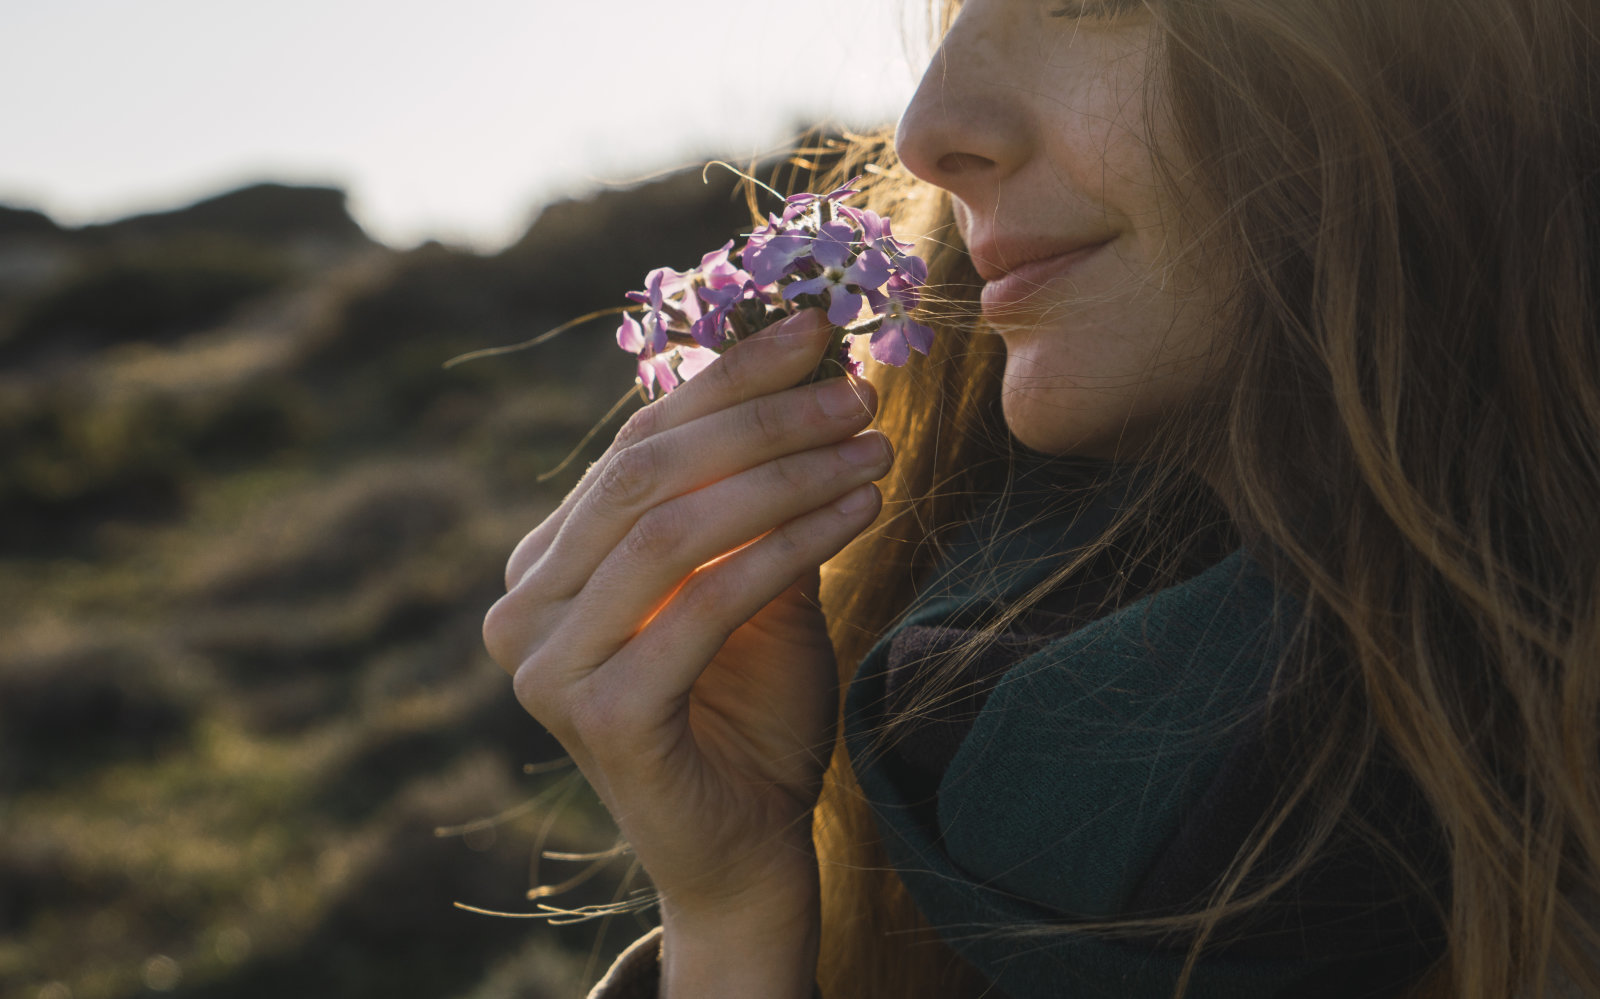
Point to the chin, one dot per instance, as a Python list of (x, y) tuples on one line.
[(1049, 428)]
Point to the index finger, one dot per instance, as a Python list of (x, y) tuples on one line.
[(773, 359)]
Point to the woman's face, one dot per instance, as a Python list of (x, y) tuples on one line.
[(1033, 118)]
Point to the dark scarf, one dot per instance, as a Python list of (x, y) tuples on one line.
[(1112, 769)]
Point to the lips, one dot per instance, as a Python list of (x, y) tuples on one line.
[(1018, 271), (997, 257)]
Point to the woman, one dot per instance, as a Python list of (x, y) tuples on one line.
[(1266, 666)]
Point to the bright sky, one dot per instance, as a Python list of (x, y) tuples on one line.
[(453, 121)]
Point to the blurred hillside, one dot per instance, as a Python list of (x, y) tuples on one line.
[(248, 529)]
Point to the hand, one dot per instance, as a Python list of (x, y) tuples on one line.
[(663, 623)]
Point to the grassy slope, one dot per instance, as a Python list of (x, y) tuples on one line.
[(242, 567)]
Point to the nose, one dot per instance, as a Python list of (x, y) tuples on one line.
[(966, 127)]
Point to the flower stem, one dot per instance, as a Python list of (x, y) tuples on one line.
[(830, 366)]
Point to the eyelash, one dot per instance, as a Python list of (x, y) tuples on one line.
[(1096, 8)]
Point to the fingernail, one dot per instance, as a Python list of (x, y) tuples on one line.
[(841, 397), (868, 450), (857, 499)]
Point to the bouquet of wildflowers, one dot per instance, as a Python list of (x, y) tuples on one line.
[(818, 253)]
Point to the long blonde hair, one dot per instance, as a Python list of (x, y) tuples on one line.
[(1412, 193)]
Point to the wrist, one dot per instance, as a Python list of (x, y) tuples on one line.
[(765, 948)]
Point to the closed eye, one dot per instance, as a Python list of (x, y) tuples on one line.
[(1096, 8)]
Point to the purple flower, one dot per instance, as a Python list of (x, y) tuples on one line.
[(710, 330), (843, 279), (717, 282), (717, 271), (847, 360), (899, 334), (818, 249), (773, 251), (910, 271), (664, 300), (632, 338), (893, 342), (876, 232), (693, 360), (657, 370), (654, 364), (657, 285), (796, 205)]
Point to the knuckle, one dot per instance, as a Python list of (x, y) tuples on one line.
[(724, 375), (656, 535), (769, 420), (705, 597), (523, 558), (788, 544), (639, 427), (602, 719), (794, 475), (630, 475), (502, 633), (532, 683)]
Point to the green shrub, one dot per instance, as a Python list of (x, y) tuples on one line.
[(152, 294)]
